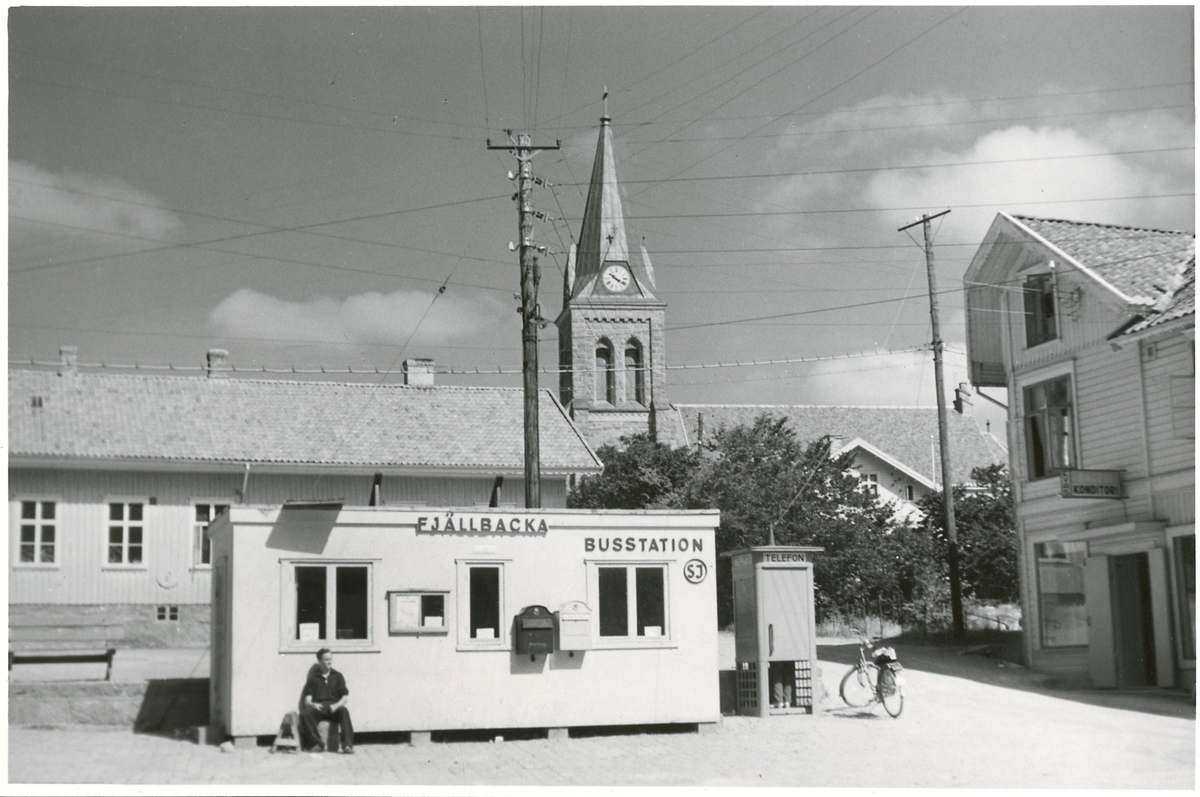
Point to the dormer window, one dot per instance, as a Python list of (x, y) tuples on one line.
[(1040, 323)]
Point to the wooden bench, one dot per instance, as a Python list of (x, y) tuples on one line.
[(38, 642)]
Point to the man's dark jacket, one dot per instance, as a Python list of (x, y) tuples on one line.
[(323, 690)]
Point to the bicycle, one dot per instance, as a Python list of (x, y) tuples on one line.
[(874, 680)]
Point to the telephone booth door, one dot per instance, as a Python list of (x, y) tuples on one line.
[(775, 630)]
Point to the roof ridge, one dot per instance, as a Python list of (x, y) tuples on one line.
[(1101, 224), (268, 380)]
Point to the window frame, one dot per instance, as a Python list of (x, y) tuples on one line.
[(1174, 536), (18, 521), (870, 483), (605, 376), (288, 607), (126, 523), (463, 640), (635, 375), (199, 533), (1034, 379), (1034, 306), (1039, 593), (1183, 405), (395, 628), (666, 640)]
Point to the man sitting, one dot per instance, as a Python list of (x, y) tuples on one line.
[(324, 698)]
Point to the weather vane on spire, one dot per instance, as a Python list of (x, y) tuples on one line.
[(606, 101)]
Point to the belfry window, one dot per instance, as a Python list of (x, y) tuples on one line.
[(606, 374), (635, 373)]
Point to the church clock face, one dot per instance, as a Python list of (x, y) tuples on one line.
[(616, 278)]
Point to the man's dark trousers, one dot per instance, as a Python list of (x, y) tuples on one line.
[(310, 716)]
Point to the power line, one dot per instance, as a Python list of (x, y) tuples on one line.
[(943, 165)]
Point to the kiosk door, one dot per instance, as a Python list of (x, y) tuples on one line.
[(785, 613)]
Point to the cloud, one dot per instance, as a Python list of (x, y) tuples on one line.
[(881, 154), (1051, 172), (367, 318), (74, 203)]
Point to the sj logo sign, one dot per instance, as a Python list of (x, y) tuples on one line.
[(695, 571)]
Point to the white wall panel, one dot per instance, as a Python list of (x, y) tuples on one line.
[(80, 575)]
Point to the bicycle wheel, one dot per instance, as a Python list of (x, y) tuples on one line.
[(858, 685), (891, 693)]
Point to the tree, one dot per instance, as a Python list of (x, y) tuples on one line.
[(644, 474), (762, 479), (987, 535)]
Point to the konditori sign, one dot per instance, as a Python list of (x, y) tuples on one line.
[(1092, 484)]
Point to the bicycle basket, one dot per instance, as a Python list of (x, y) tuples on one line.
[(883, 656)]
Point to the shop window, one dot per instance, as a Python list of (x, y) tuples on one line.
[(635, 373), (204, 514), (1185, 573), (483, 621), (38, 541), (329, 603), (632, 602), (1049, 436), (126, 533), (606, 375), (1040, 323), (1183, 407), (166, 614), (1062, 612), (417, 612)]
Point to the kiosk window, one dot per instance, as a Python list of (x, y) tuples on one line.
[(483, 623), (485, 602), (331, 603), (632, 601)]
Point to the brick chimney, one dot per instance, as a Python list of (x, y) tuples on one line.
[(962, 399), (419, 372), (68, 359), (218, 364)]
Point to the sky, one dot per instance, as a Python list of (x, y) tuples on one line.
[(298, 185)]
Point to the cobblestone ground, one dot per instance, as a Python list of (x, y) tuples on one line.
[(954, 732)]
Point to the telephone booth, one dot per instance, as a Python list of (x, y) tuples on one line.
[(775, 630)]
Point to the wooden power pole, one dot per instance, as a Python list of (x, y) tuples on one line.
[(956, 608), (531, 316)]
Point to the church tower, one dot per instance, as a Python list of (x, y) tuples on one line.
[(610, 332)]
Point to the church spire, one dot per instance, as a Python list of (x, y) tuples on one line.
[(602, 237)]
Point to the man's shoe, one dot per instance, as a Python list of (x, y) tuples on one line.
[(317, 748), (348, 749)]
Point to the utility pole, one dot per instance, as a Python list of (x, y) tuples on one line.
[(956, 608), (530, 310)]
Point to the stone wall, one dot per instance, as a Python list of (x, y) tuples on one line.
[(142, 628)]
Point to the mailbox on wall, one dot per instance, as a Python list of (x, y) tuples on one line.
[(535, 631), (574, 626)]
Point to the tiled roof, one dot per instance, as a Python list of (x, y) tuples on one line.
[(908, 434), (1139, 263), (261, 421), (1179, 303)]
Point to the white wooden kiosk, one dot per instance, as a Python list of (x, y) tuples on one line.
[(425, 610)]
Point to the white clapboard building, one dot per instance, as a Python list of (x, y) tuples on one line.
[(1091, 328), (114, 478)]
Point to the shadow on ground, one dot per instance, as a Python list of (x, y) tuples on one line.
[(996, 670)]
